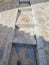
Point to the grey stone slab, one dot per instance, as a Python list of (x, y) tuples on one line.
[(40, 43), (23, 38), (47, 59), (8, 48), (9, 5), (41, 59), (6, 6), (3, 37), (46, 48), (23, 5), (6, 1), (13, 57), (24, 0), (14, 4)]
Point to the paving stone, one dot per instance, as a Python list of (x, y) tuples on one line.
[(14, 4), (3, 37), (7, 1), (46, 48), (47, 58), (40, 43), (41, 57), (6, 6), (24, 0), (23, 38)]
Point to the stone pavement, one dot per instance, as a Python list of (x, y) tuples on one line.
[(24, 35)]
